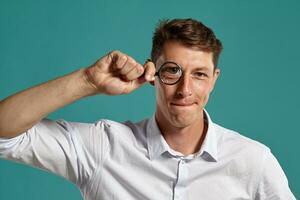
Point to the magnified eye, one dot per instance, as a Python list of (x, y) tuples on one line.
[(171, 70), (170, 73)]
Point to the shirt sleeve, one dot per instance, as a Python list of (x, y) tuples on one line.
[(71, 150), (273, 184)]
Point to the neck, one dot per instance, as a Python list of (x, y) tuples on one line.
[(186, 140)]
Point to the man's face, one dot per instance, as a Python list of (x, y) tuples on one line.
[(182, 104)]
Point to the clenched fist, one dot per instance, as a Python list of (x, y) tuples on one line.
[(117, 73)]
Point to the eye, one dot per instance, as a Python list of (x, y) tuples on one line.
[(200, 75), (172, 70)]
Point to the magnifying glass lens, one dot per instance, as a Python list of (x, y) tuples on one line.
[(170, 73)]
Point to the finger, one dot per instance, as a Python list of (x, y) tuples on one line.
[(117, 59), (149, 71), (135, 73), (128, 66), (135, 84), (120, 62)]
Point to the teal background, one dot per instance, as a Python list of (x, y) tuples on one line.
[(256, 93)]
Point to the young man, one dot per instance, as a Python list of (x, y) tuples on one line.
[(179, 153)]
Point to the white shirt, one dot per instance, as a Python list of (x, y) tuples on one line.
[(108, 160)]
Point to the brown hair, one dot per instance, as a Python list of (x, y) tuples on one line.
[(189, 32)]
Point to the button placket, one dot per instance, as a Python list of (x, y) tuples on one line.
[(180, 185)]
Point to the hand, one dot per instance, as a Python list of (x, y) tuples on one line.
[(117, 73)]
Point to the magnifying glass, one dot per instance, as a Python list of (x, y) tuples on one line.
[(169, 73)]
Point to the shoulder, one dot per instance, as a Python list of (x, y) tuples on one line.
[(98, 127), (242, 156), (251, 163), (235, 141), (114, 127), (130, 133)]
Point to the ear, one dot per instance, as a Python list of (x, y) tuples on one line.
[(215, 78)]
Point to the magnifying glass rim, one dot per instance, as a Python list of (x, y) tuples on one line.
[(158, 72)]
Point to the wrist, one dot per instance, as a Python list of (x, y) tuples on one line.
[(85, 85)]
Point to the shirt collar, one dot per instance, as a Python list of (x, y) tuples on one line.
[(209, 148), (157, 145)]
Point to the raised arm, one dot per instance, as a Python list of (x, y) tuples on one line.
[(116, 73)]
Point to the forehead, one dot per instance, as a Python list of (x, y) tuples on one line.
[(187, 57)]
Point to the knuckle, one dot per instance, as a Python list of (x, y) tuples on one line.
[(140, 70), (121, 61), (123, 58), (115, 52), (112, 53), (131, 61)]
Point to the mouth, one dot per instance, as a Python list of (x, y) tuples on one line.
[(182, 104)]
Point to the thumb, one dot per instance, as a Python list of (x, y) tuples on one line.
[(135, 84)]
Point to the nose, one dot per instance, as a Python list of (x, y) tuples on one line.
[(184, 87)]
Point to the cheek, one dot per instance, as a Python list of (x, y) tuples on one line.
[(160, 96), (164, 94), (202, 93)]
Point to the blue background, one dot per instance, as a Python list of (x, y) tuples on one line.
[(256, 93)]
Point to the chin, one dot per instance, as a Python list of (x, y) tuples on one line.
[(182, 121)]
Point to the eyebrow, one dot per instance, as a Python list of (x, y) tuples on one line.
[(202, 68)]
